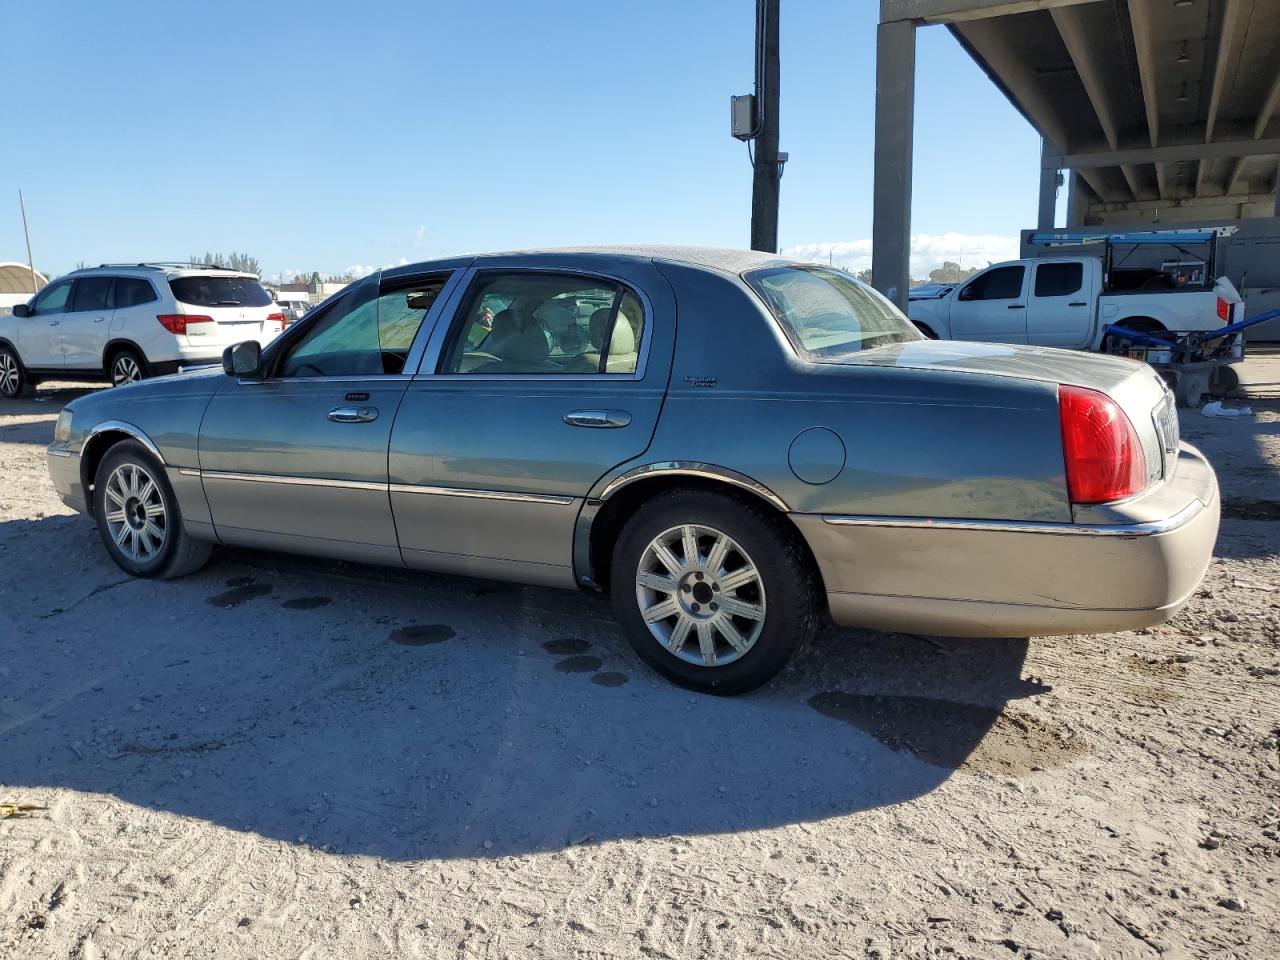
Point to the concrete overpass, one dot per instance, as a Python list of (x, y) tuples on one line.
[(1157, 111)]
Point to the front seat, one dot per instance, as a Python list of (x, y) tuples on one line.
[(520, 344)]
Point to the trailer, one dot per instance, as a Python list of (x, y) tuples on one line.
[(1193, 364)]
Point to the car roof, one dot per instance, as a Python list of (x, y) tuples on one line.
[(169, 270), (721, 260)]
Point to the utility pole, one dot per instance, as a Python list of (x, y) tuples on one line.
[(764, 186), (31, 264)]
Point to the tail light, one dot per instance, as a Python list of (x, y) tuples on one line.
[(1103, 454), (277, 319), (1224, 310), (178, 322)]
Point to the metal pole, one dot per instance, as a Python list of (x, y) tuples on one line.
[(764, 185), (31, 265)]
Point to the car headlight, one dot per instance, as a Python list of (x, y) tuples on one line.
[(62, 429)]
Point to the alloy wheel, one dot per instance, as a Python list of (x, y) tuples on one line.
[(135, 513), (125, 370), (9, 374), (700, 595)]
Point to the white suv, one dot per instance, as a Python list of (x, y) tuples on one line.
[(126, 322)]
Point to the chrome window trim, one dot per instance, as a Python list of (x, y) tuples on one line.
[(1123, 530), (483, 494), (431, 359), (121, 427), (692, 468)]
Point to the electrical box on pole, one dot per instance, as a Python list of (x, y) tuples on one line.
[(742, 117)]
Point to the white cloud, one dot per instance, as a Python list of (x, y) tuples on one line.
[(419, 235), (359, 270), (928, 251)]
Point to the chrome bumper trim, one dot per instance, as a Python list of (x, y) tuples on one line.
[(1126, 530), (59, 453), (482, 494)]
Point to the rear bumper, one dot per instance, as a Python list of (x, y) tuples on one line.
[(1002, 579)]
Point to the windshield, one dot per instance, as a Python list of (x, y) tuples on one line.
[(826, 312), (220, 291)]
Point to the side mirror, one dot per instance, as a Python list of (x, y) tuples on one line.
[(21, 310), (966, 294), (243, 359)]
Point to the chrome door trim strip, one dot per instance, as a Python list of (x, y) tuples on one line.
[(482, 494), (291, 481), (691, 468), (1124, 530)]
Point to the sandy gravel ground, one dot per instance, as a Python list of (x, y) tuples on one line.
[(287, 758)]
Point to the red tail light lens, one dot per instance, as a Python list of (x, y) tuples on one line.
[(1224, 310), (1103, 454), (178, 322), (277, 319)]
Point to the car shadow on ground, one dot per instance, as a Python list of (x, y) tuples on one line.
[(409, 716)]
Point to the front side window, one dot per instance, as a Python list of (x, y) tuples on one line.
[(826, 312), (92, 293), (1059, 279), (546, 323), (53, 298), (1002, 283), (367, 333), (201, 291)]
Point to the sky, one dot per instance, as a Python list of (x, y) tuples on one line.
[(334, 137)]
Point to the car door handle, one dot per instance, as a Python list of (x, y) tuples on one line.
[(54, 323), (353, 414), (597, 418), (1017, 306), (1077, 303), (98, 319)]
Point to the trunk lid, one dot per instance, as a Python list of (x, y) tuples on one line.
[(237, 303), (1134, 386)]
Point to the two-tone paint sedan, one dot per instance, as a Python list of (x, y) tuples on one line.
[(733, 445)]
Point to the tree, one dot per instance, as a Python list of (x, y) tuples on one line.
[(951, 272), (864, 275), (232, 261)]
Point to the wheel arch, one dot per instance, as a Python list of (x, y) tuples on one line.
[(115, 346), (102, 438), (602, 518)]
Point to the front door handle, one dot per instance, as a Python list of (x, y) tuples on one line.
[(597, 418), (54, 323), (1078, 303), (353, 414), (98, 319), (1017, 306)]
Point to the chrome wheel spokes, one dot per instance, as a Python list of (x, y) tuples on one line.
[(125, 370), (700, 595), (8, 375), (135, 513)]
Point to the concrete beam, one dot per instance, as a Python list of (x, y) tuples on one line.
[(895, 121), (1268, 110), (1144, 45), (958, 11), (1221, 150), (1077, 200), (1226, 41)]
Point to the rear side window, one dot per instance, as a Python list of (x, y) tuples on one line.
[(91, 293), (1003, 283), (1059, 279), (130, 292), (827, 312), (219, 291)]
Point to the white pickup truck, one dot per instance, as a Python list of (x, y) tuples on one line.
[(1068, 302)]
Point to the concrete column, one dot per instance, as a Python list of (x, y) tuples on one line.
[(1276, 185), (1077, 200), (895, 117), (1050, 164)]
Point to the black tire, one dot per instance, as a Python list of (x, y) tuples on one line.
[(926, 330), (1223, 380), (121, 365), (15, 382), (177, 554), (786, 586)]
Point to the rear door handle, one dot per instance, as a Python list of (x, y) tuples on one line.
[(353, 414), (98, 319), (54, 323), (1017, 306), (597, 418)]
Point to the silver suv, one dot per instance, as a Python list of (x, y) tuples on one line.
[(124, 322)]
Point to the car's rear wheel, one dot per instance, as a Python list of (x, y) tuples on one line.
[(138, 516), (127, 367), (926, 330), (14, 381), (713, 592)]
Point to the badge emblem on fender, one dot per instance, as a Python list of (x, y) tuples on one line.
[(700, 381)]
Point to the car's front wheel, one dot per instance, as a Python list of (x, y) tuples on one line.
[(127, 367), (713, 592), (14, 381), (138, 516)]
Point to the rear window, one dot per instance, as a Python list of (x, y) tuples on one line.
[(220, 291), (130, 292), (826, 312)]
